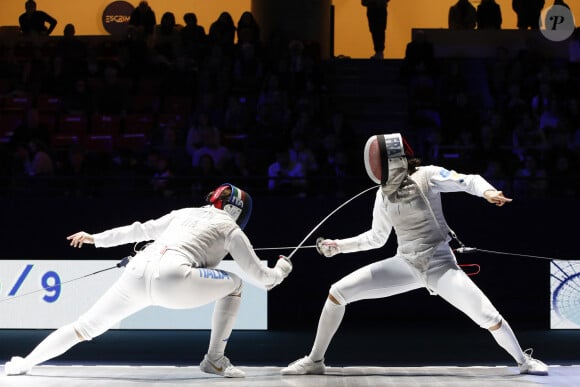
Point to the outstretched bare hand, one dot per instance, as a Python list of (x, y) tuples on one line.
[(496, 197), (77, 239)]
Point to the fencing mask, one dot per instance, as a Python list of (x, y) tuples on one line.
[(386, 161), (238, 204)]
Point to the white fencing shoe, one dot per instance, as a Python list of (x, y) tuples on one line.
[(532, 366), (304, 366), (16, 366), (221, 366)]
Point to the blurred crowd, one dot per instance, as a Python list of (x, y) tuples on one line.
[(514, 117), (170, 109)]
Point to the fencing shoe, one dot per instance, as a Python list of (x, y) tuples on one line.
[(221, 366), (16, 366), (304, 366), (532, 366)]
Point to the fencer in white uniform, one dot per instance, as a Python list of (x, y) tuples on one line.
[(408, 201), (176, 270)]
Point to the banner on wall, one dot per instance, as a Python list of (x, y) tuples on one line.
[(565, 294), (116, 17), (51, 305)]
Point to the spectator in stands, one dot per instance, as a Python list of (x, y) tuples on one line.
[(20, 161), (205, 175), (286, 177), (166, 40), (334, 166), (574, 49), (563, 177), (530, 180), (273, 111), (169, 144), (527, 135), (305, 126), (78, 99), (215, 73), (248, 31), (340, 127), (528, 13), (70, 56), (222, 33), (541, 99), (573, 113), (496, 175), (135, 55), (419, 53), (301, 153), (193, 38), (194, 138), (458, 112), (143, 17), (298, 67), (248, 69), (76, 170), (34, 167), (37, 74), (162, 180), (34, 22), (494, 144), (41, 162), (514, 104), (462, 16), (213, 147), (552, 117), (112, 94), (31, 129), (240, 167), (239, 115), (377, 21), (488, 15), (562, 164)]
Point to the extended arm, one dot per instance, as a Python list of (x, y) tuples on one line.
[(372, 239), (135, 232), (243, 253), (444, 180)]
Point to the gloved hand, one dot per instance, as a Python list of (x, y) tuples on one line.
[(327, 247), (283, 268)]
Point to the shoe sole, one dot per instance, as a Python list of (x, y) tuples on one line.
[(292, 372)]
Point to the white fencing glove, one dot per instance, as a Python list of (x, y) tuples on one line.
[(282, 269), (327, 247), (284, 265)]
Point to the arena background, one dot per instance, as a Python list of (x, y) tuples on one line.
[(351, 36), (519, 287)]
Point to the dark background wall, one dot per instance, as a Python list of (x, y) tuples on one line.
[(519, 287)]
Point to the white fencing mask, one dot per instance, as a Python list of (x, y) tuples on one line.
[(386, 161)]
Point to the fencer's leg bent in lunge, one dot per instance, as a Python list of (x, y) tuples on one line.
[(195, 287), (166, 280), (453, 285), (377, 280), (224, 317)]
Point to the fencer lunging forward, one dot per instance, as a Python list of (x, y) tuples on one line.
[(408, 201), (174, 271)]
